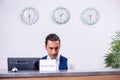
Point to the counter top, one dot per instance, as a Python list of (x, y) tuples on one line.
[(8, 74)]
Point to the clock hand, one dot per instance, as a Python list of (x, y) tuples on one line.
[(61, 15), (90, 16), (29, 17)]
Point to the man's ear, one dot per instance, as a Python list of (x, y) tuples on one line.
[(45, 46)]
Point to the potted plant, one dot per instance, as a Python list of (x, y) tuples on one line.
[(112, 59)]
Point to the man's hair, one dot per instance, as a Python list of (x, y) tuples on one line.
[(52, 37)]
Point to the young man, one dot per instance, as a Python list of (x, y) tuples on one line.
[(52, 45)]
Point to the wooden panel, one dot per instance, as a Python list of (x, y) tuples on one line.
[(105, 77)]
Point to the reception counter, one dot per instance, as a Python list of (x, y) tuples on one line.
[(60, 75)]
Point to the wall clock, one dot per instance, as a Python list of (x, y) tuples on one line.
[(29, 15), (61, 15), (90, 16)]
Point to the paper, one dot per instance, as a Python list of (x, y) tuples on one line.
[(47, 65)]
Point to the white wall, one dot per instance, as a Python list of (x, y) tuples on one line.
[(85, 45)]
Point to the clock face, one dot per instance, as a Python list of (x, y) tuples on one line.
[(29, 16), (90, 16), (61, 15)]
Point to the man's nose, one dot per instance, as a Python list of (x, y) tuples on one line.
[(53, 51)]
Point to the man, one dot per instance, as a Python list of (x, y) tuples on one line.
[(52, 45)]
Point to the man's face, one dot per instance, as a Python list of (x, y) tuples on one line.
[(52, 48)]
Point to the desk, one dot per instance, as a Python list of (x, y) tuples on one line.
[(62, 75)]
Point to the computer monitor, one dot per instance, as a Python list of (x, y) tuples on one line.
[(23, 63)]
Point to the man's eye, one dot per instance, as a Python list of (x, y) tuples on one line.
[(56, 48), (51, 48)]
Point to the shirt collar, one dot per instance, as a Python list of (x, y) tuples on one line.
[(57, 58)]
